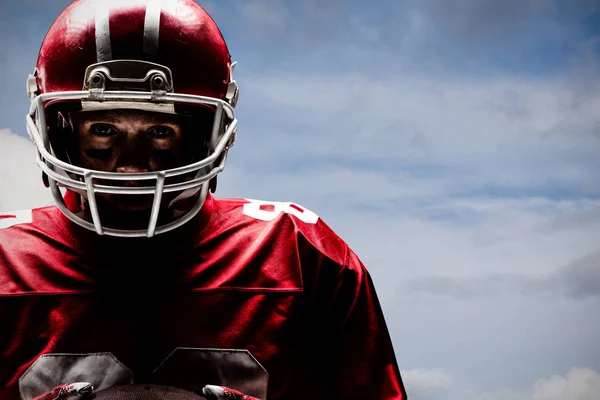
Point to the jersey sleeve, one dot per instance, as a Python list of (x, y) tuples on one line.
[(354, 357)]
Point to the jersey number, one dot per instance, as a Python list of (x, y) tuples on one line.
[(269, 210)]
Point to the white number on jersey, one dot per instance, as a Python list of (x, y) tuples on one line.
[(269, 210)]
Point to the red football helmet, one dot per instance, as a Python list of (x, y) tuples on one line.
[(164, 56)]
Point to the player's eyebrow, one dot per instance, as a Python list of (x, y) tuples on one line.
[(114, 116)]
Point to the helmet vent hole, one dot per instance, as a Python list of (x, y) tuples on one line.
[(158, 81), (96, 79)]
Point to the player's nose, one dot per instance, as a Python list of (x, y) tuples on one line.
[(127, 169)]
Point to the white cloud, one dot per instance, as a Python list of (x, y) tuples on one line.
[(437, 384), (422, 384), (503, 394), (578, 384), (579, 279), (21, 184), (457, 119), (454, 177)]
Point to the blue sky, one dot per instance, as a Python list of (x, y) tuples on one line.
[(453, 144)]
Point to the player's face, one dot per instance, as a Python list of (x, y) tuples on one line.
[(131, 141)]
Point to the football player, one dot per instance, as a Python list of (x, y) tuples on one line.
[(138, 274)]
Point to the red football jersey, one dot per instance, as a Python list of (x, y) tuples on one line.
[(259, 296)]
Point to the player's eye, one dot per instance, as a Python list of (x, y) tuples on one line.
[(160, 132), (103, 130)]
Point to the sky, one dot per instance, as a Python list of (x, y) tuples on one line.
[(453, 144)]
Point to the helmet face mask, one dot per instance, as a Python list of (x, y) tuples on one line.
[(156, 82)]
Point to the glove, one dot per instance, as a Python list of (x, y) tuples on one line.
[(224, 393), (73, 390), (67, 390)]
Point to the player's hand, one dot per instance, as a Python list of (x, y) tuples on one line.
[(212, 392), (66, 390)]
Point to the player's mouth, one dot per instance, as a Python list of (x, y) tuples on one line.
[(132, 202)]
